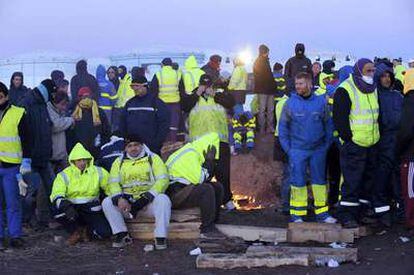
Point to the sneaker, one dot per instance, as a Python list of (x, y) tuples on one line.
[(229, 206), (160, 243), (75, 237), (296, 220), (213, 234), (16, 242), (329, 219), (121, 240)]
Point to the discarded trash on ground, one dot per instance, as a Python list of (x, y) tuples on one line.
[(195, 252)]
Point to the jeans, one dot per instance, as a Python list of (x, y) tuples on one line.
[(10, 191)]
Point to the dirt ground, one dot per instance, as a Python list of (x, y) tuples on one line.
[(379, 254)]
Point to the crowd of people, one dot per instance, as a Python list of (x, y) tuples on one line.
[(86, 154)]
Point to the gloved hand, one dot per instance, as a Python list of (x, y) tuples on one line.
[(140, 203), (26, 166), (22, 185), (67, 207)]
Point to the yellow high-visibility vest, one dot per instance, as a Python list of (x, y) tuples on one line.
[(10, 145)]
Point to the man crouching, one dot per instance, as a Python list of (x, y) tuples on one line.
[(75, 194), (143, 177)]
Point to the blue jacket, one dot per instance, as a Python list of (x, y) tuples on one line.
[(149, 118), (390, 102), (305, 124), (107, 92), (110, 151)]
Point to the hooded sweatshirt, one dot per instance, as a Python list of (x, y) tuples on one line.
[(296, 64), (81, 187), (83, 79), (17, 93), (107, 91)]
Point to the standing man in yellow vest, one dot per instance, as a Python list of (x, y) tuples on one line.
[(207, 114), (15, 145), (165, 84), (192, 74), (123, 94), (355, 115), (238, 85)]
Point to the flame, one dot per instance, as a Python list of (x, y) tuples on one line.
[(245, 203)]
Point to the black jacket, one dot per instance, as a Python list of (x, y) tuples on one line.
[(86, 133), (295, 65), (149, 118), (405, 136), (264, 83), (83, 79), (40, 127)]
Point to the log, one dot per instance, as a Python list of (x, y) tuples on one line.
[(319, 232), (227, 245), (230, 261), (253, 233), (317, 255), (145, 231), (181, 215)]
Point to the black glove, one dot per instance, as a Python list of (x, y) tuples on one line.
[(67, 208), (140, 203)]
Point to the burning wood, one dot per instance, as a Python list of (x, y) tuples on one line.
[(243, 202)]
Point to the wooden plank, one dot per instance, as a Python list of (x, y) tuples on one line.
[(318, 232), (317, 255), (145, 231), (230, 261), (254, 233), (179, 215)]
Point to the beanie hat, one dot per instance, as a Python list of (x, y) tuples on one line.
[(215, 58), (166, 61), (133, 138), (277, 67), (327, 66), (206, 80), (263, 49), (84, 91), (3, 89), (140, 79)]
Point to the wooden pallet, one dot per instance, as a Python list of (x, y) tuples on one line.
[(184, 224)]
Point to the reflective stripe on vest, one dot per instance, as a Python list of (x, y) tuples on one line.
[(10, 144), (168, 88), (206, 117), (364, 115)]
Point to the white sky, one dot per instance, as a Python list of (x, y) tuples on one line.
[(104, 27)]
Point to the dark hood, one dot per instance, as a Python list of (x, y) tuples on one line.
[(380, 70), (82, 67), (300, 48), (13, 76)]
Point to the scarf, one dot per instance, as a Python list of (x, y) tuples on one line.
[(357, 76), (87, 103)]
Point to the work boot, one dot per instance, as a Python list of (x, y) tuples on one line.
[(160, 243), (2, 247), (16, 242), (212, 234), (385, 220), (351, 223), (121, 239), (75, 237), (85, 236)]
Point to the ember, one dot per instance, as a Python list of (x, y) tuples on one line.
[(243, 202)]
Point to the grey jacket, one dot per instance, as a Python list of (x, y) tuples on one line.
[(60, 125)]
